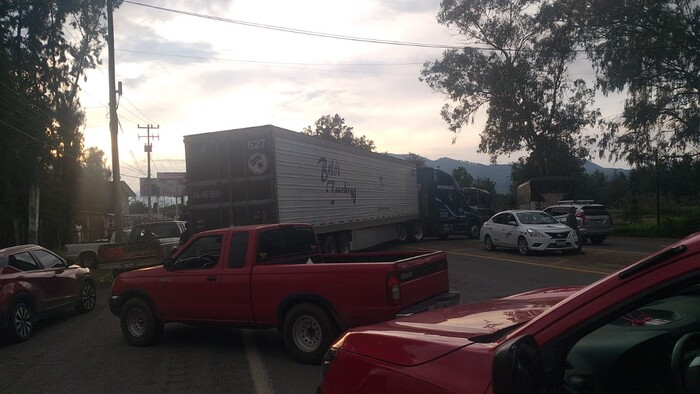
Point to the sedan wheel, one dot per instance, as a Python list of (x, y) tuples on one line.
[(523, 248), (488, 242)]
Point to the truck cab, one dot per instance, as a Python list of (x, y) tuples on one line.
[(443, 207)]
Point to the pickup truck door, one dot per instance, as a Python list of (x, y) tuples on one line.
[(192, 290), (235, 281)]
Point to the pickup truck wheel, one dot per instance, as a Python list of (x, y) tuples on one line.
[(21, 322), (308, 332), (88, 260), (88, 297), (139, 324)]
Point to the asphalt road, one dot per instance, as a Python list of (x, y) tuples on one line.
[(86, 353)]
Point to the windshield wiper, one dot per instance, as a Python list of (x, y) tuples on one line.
[(652, 261)]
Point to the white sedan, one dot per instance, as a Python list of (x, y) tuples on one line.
[(528, 230)]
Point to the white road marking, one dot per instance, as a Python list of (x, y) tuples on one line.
[(258, 372)]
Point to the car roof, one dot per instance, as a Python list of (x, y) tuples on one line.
[(522, 211), (18, 249)]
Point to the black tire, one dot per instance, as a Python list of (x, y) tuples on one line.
[(401, 233), (329, 244), (343, 243), (88, 260), (87, 297), (474, 230), (416, 233), (308, 332), (139, 324), (523, 247), (488, 243), (20, 324), (597, 240)]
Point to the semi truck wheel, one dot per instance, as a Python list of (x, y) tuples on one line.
[(329, 244), (416, 233), (308, 332), (401, 233), (139, 324), (343, 243), (474, 230)]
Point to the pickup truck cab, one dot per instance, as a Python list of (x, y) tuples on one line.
[(265, 276), (635, 331)]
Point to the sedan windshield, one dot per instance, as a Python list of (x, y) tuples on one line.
[(536, 218)]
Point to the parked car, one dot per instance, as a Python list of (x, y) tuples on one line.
[(594, 220), (635, 331), (528, 230), (34, 283)]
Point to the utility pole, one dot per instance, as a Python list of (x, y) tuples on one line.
[(113, 127), (148, 148)]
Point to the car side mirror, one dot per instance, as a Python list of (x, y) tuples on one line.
[(517, 367), (169, 264), (512, 223)]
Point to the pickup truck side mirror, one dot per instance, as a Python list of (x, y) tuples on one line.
[(517, 367), (169, 264)]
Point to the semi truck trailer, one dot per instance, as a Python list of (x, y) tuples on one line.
[(355, 199)]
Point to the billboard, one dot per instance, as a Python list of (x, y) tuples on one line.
[(165, 184)]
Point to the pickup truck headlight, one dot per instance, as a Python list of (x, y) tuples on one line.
[(534, 233)]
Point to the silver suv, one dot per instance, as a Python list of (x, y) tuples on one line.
[(594, 220)]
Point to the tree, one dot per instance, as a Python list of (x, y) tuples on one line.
[(95, 175), (463, 178), (334, 129), (417, 159), (519, 75), (485, 184), (651, 50), (40, 116)]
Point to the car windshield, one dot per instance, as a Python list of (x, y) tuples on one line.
[(536, 218)]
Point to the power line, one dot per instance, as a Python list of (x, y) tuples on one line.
[(300, 31)]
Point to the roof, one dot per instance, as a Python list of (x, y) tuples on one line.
[(18, 248)]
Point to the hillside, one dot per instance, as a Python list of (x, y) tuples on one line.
[(499, 173)]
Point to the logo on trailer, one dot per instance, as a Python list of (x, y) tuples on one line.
[(258, 163)]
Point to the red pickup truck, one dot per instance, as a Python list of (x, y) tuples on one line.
[(264, 276), (636, 331)]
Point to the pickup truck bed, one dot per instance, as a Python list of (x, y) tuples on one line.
[(273, 276)]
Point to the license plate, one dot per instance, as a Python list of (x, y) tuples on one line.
[(561, 242)]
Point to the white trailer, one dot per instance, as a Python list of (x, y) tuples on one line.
[(355, 199)]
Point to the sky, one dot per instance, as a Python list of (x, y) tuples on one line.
[(189, 75)]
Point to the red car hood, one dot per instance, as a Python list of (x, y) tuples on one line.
[(425, 336)]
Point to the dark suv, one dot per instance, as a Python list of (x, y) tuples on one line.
[(594, 220)]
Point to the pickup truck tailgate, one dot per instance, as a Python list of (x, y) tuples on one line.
[(424, 282)]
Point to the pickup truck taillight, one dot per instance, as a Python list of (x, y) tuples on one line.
[(393, 291)]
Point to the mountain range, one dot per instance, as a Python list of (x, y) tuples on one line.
[(499, 173)]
